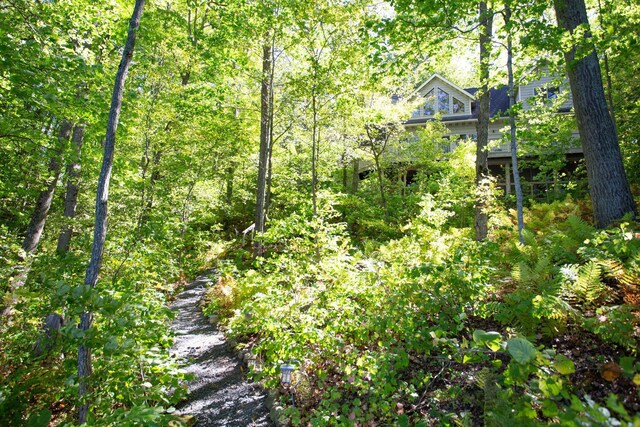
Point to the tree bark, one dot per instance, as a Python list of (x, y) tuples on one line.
[(610, 193), (263, 160), (512, 128), (229, 190), (41, 211), (383, 199), (102, 197), (355, 177), (71, 197), (314, 153), (482, 129)]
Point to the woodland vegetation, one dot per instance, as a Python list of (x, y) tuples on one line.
[(438, 301)]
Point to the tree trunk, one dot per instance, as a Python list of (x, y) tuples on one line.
[(607, 72), (355, 177), (229, 190), (344, 177), (263, 160), (610, 193), (41, 211), (383, 199), (102, 197), (314, 151), (71, 198), (482, 129), (512, 126)]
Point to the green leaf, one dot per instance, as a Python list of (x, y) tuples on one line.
[(627, 365), (521, 350), (490, 339), (564, 365), (549, 408), (41, 419)]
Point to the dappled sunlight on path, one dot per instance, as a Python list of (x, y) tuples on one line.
[(219, 395)]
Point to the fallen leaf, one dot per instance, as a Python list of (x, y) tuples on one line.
[(611, 371)]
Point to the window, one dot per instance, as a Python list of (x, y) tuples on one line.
[(549, 93), (427, 108), (443, 101), (458, 106)]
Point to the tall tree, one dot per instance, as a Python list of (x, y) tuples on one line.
[(610, 193), (71, 196), (265, 143), (484, 116), (102, 197), (513, 142), (43, 204)]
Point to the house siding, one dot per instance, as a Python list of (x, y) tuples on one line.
[(530, 90)]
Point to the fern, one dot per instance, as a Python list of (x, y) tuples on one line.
[(579, 229), (588, 287)]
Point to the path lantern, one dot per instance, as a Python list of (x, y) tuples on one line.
[(285, 373)]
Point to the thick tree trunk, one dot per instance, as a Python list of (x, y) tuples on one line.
[(102, 197), (263, 159), (71, 197), (482, 129), (610, 193), (41, 211), (512, 129)]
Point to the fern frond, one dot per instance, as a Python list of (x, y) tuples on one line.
[(588, 287)]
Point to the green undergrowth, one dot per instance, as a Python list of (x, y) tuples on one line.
[(134, 379), (434, 328)]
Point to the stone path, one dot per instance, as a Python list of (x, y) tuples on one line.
[(220, 395)]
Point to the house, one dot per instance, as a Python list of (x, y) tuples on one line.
[(457, 108)]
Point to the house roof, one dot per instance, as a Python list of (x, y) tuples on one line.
[(498, 105), (438, 76)]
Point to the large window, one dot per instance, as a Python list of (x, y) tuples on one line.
[(427, 108), (443, 101), (436, 98), (458, 106)]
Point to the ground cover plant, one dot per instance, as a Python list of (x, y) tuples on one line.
[(436, 328)]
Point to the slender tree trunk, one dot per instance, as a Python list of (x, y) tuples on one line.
[(610, 193), (344, 177), (607, 72), (383, 199), (39, 217), (512, 126), (263, 160), (102, 197), (41, 211), (71, 197), (267, 202), (314, 157), (355, 177), (482, 129), (229, 190)]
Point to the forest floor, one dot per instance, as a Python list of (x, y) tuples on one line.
[(219, 395)]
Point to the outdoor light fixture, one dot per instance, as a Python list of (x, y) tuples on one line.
[(286, 370)]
